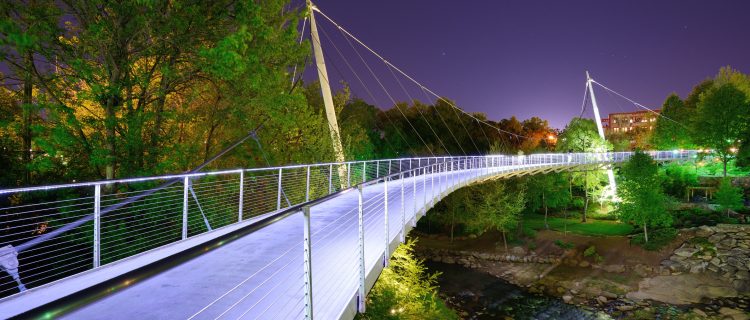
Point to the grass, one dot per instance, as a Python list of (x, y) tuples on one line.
[(591, 228)]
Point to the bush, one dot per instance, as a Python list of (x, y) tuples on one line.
[(405, 290), (590, 251), (657, 239), (529, 233), (564, 245), (696, 217)]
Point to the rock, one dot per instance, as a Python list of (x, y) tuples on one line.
[(727, 243), (609, 295), (642, 270), (742, 275), (716, 261), (519, 251), (704, 231), (618, 268), (625, 307), (472, 236), (716, 238), (733, 313), (699, 267), (685, 252), (567, 298), (584, 264), (601, 299), (700, 312)]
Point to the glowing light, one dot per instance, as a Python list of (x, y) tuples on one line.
[(733, 150)]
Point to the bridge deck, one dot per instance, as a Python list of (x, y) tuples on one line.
[(261, 275)]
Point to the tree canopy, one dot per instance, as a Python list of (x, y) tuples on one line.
[(642, 200)]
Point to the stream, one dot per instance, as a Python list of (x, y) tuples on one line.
[(478, 295)]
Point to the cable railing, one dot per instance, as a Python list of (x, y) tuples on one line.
[(103, 222)]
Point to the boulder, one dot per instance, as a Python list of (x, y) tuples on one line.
[(733, 313), (584, 264), (618, 268), (567, 298), (685, 252), (601, 299), (716, 238), (519, 251), (704, 231)]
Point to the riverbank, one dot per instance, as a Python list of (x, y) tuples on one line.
[(619, 279)]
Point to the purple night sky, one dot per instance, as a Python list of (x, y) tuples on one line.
[(527, 58)]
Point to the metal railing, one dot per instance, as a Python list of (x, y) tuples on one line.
[(105, 221)]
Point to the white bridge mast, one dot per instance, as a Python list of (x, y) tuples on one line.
[(325, 88), (610, 173)]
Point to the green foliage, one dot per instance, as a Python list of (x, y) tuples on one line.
[(658, 238), (589, 228), (499, 207), (564, 245), (642, 199), (722, 120), (581, 135), (728, 196), (547, 191), (589, 252), (670, 132), (405, 290), (676, 177), (699, 217)]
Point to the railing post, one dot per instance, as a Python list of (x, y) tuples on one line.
[(307, 185), (348, 175), (387, 229), (186, 185), (97, 223), (278, 198), (308, 265), (389, 167), (364, 171), (424, 187), (361, 228), (242, 196), (403, 214), (432, 185), (414, 195), (330, 178), (377, 169)]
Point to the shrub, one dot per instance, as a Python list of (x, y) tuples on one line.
[(590, 251), (564, 245), (657, 239), (529, 233), (405, 290)]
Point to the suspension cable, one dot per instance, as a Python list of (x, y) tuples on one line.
[(444, 123), (406, 75), (377, 79), (420, 111), (637, 104), (362, 83)]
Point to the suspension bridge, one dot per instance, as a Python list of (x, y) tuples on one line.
[(287, 242)]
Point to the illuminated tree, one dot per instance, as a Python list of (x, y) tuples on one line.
[(721, 121), (642, 200)]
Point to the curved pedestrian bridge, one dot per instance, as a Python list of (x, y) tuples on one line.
[(292, 242)]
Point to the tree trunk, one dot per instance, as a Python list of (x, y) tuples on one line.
[(546, 226), (505, 241), (453, 215), (724, 160), (28, 91), (645, 232), (585, 207)]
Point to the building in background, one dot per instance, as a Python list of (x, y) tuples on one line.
[(624, 122)]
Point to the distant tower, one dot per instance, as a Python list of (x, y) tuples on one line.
[(598, 118)]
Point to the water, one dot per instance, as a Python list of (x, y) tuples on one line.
[(478, 295)]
